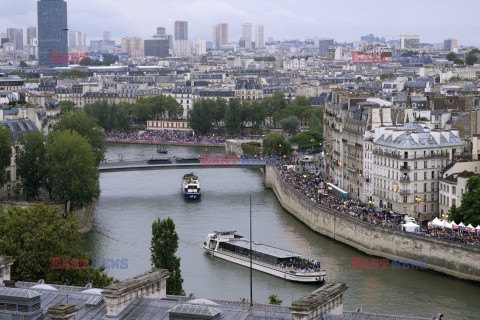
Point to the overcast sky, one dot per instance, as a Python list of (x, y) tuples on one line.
[(343, 20)]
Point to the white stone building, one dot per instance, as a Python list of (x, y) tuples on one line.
[(404, 167)]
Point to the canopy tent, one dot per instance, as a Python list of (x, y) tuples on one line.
[(470, 226), (410, 226), (461, 224)]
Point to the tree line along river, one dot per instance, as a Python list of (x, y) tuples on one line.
[(130, 201)]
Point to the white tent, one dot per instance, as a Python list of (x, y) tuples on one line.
[(478, 227), (461, 224), (436, 222), (449, 225), (410, 226), (470, 226)]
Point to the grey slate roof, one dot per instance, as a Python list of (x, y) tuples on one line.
[(19, 128)]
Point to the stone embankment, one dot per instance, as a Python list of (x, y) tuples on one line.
[(458, 260)]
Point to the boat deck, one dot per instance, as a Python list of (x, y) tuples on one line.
[(263, 248)]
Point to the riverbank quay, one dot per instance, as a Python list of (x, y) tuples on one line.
[(454, 259), (171, 143)]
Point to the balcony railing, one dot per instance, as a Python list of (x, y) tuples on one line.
[(405, 179), (405, 168), (398, 155), (403, 191)]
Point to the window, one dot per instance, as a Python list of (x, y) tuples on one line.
[(433, 207), (433, 186), (425, 164), (415, 176), (415, 165), (433, 174), (453, 202), (424, 187), (415, 188), (454, 190), (425, 175), (405, 199)]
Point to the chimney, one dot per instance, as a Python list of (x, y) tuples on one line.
[(5, 268), (327, 299), (150, 284), (62, 311)]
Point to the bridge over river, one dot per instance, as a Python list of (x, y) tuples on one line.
[(205, 161)]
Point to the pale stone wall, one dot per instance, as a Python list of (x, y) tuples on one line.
[(441, 255)]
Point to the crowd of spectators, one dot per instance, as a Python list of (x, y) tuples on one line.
[(300, 265), (166, 136), (312, 184)]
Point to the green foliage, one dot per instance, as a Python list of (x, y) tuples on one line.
[(164, 244), (273, 299), (20, 74), (199, 117), (156, 107), (23, 64), (275, 143), (274, 104), (31, 164), (74, 74), (88, 128), (452, 56), (248, 148), (384, 76), (290, 124), (110, 116), (5, 153), (458, 61), (313, 122), (469, 211), (308, 139), (67, 106), (255, 113), (271, 59), (34, 235), (108, 60), (234, 116), (471, 58), (255, 144), (72, 171), (217, 111)]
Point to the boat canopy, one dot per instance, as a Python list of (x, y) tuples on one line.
[(264, 249)]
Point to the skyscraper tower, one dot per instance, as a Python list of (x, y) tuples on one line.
[(260, 36), (220, 34), (52, 33), (181, 30), (247, 35), (161, 31), (31, 33)]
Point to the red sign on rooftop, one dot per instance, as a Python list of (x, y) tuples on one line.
[(374, 57)]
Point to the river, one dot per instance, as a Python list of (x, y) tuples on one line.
[(130, 201)]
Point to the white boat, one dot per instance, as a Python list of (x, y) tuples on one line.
[(281, 263)]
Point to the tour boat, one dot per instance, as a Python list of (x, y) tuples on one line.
[(190, 187), (278, 262), (162, 149)]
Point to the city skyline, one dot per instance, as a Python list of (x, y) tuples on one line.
[(307, 20)]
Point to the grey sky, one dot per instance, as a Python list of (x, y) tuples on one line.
[(344, 20)]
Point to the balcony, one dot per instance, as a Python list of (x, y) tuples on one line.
[(405, 192), (405, 168), (405, 179)]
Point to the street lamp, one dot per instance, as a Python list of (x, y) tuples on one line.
[(419, 202)]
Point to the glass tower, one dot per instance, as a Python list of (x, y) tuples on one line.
[(52, 33)]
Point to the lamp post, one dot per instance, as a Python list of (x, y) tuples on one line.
[(419, 202)]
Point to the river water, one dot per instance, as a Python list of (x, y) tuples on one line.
[(130, 201)]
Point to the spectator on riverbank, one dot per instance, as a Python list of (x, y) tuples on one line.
[(312, 184)]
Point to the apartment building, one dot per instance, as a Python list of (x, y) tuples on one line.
[(405, 165)]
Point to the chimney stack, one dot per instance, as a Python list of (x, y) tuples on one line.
[(5, 268), (62, 311)]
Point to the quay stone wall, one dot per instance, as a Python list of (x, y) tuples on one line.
[(460, 261)]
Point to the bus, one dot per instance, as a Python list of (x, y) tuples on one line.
[(337, 191)]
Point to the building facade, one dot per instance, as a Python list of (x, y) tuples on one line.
[(181, 30), (247, 35), (157, 47), (52, 32), (260, 36), (409, 41)]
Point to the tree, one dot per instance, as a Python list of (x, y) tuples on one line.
[(73, 74), (471, 58), (273, 299), (313, 122), (71, 169), (275, 143), (290, 124), (88, 128), (217, 112), (255, 113), (199, 117), (458, 61), (110, 116), (163, 247), (23, 64), (233, 116), (308, 139), (5, 153), (31, 164), (34, 235), (452, 56), (469, 211), (67, 106)]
